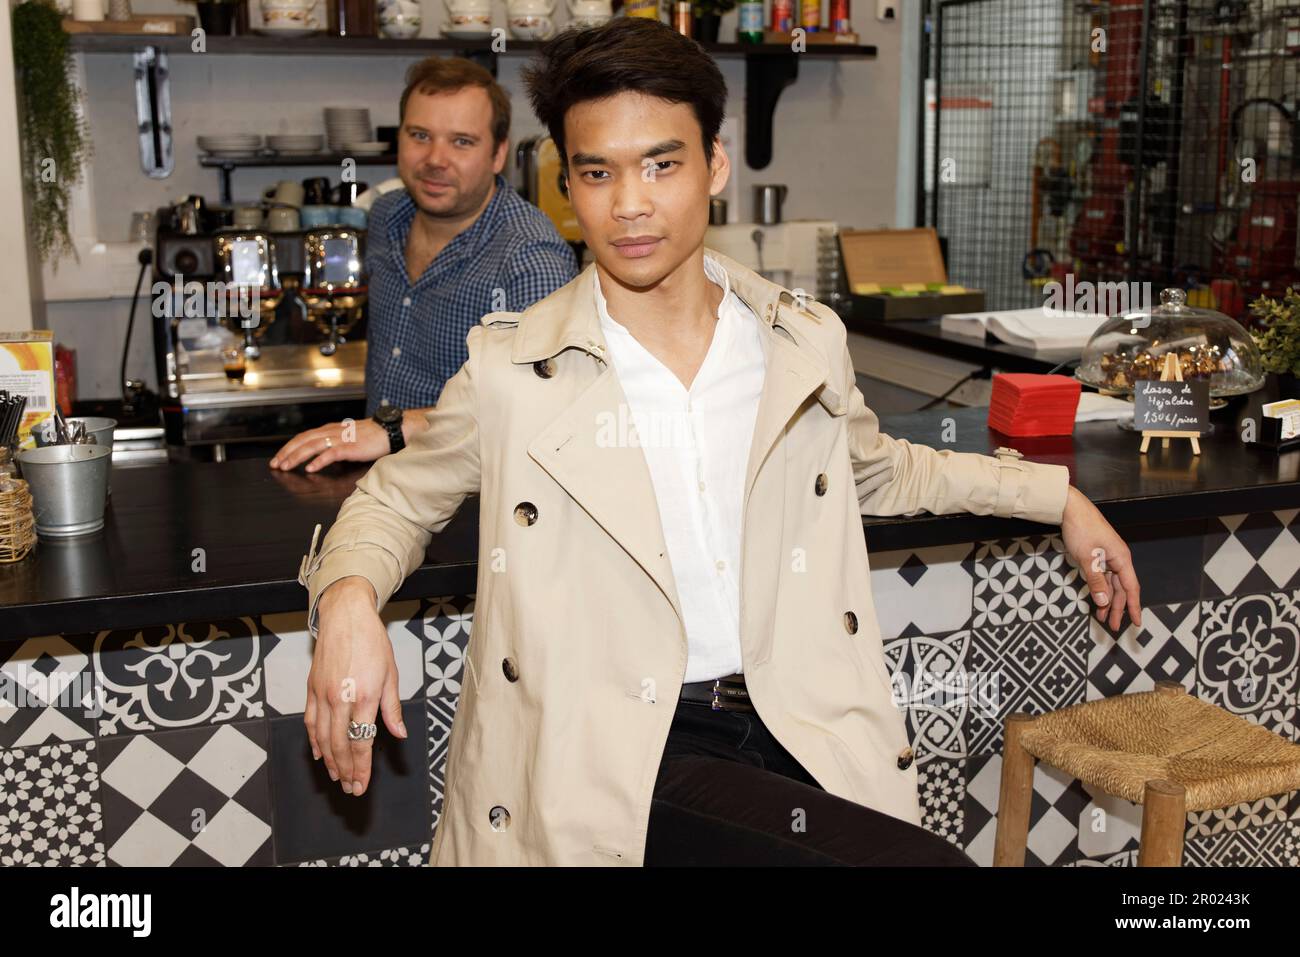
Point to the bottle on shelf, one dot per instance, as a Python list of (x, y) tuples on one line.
[(642, 8), (749, 28), (810, 15)]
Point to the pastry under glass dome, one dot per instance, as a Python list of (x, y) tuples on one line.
[(1209, 345)]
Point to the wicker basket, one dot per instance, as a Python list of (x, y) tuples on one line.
[(17, 524)]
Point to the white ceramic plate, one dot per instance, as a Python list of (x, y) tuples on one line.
[(229, 142)]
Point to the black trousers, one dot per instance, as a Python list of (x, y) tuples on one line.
[(728, 794)]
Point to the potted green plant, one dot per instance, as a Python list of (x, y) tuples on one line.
[(1278, 339), (55, 143), (707, 15)]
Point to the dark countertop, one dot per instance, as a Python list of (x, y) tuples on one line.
[(926, 335), (254, 524)]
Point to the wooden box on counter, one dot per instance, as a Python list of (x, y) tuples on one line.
[(899, 274), (154, 24)]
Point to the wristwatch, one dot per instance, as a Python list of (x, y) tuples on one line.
[(390, 417)]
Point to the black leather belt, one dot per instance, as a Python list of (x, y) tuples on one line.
[(720, 694)]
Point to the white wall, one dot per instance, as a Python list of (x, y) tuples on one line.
[(835, 145), (18, 274)]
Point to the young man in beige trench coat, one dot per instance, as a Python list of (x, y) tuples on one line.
[(675, 655)]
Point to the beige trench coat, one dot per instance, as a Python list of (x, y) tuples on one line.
[(578, 648)]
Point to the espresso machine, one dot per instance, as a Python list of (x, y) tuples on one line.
[(257, 335)]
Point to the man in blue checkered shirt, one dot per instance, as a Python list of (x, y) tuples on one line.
[(455, 244)]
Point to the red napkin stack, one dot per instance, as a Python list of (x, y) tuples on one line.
[(1024, 404)]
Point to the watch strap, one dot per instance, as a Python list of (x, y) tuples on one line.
[(396, 441)]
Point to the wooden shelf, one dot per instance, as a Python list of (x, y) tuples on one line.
[(374, 46)]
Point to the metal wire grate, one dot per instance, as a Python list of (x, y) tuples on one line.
[(1150, 141)]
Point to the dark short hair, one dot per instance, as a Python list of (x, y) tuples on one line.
[(449, 74), (625, 55)]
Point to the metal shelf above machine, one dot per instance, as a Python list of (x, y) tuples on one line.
[(229, 165), (769, 67)]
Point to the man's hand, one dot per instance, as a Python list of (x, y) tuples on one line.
[(353, 676), (359, 440), (1103, 558)]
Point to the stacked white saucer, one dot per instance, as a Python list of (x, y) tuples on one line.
[(345, 125), (296, 144), (232, 145)]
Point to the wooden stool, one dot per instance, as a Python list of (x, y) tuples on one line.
[(1164, 749)]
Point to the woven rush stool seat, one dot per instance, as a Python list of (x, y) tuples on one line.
[(1164, 749)]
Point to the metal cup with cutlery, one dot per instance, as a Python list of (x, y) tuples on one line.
[(69, 486)]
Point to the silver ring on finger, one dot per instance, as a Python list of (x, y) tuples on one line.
[(361, 732), (329, 443)]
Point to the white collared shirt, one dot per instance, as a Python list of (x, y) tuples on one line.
[(696, 445)]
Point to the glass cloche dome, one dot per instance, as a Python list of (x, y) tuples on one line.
[(1208, 344)]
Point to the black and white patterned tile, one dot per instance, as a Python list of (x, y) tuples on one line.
[(1054, 811), (1274, 845), (1122, 859), (440, 714), (925, 591), (1163, 649), (287, 650), (314, 819), (447, 624), (46, 691), (199, 796), (1248, 554), (1248, 660), (1274, 809), (941, 783), (1109, 828), (1024, 579), (415, 856), (934, 688), (179, 675), (1034, 666), (50, 806)]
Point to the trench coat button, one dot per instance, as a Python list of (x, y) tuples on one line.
[(850, 623), (511, 670), (820, 485), (905, 759), (544, 368), (499, 818), (525, 513)]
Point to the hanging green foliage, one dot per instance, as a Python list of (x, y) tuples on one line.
[(55, 141)]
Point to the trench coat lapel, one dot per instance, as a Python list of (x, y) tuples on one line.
[(790, 379), (608, 479)]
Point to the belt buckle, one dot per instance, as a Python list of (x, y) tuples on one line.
[(716, 704)]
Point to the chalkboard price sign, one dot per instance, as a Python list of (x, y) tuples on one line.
[(1172, 406)]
